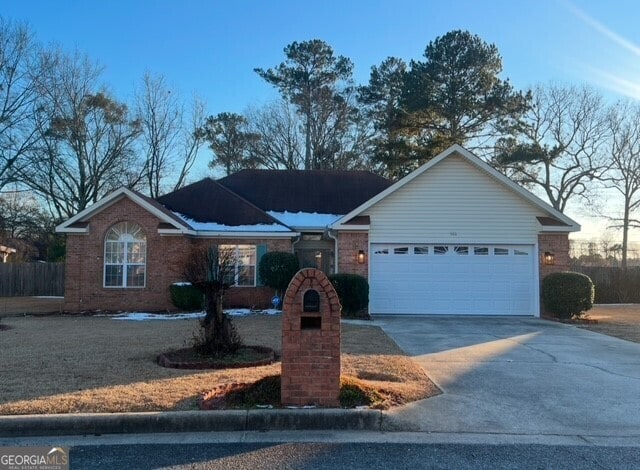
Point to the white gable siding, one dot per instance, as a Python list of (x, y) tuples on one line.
[(454, 201)]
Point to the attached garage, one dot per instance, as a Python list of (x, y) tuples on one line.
[(456, 237), (468, 279)]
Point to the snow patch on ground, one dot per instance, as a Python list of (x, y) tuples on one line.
[(142, 316)]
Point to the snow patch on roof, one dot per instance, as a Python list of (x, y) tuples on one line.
[(304, 219), (215, 227)]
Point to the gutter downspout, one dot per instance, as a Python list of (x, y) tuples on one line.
[(335, 250)]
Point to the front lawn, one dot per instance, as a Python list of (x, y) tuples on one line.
[(76, 364)]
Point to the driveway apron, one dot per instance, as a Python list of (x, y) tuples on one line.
[(518, 375)]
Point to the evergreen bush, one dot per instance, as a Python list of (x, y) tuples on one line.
[(567, 294)]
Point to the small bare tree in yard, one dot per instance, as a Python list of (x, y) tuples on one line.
[(209, 269)]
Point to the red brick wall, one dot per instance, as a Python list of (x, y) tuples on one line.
[(310, 357), (558, 244), (349, 243), (165, 265)]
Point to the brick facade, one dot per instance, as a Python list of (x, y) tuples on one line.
[(558, 244), (166, 255), (310, 351), (349, 243)]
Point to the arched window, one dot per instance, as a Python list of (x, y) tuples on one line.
[(125, 256)]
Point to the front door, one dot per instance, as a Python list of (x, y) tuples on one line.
[(315, 251)]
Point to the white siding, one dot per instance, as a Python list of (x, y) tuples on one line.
[(455, 202)]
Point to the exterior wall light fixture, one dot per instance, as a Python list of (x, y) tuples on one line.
[(549, 258), (360, 256)]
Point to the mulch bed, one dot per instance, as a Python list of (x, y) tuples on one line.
[(188, 358)]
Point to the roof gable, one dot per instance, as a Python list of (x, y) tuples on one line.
[(310, 191), (78, 223), (569, 224)]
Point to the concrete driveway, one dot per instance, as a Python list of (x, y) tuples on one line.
[(519, 376)]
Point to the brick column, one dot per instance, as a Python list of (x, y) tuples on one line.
[(310, 341)]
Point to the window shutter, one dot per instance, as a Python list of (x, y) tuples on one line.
[(260, 251)]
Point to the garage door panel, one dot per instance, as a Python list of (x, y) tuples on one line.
[(492, 279)]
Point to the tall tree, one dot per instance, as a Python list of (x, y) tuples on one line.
[(17, 95), (318, 84), (456, 95), (624, 174), (560, 147), (170, 137), (393, 154), (85, 137), (230, 142)]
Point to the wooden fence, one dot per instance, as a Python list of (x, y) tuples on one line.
[(612, 284), (27, 279)]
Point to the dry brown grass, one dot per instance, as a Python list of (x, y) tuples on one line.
[(621, 321), (66, 364)]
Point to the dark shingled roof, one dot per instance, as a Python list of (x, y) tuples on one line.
[(209, 201), (322, 191)]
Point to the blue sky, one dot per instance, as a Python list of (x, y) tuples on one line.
[(211, 47)]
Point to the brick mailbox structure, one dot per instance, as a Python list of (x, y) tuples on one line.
[(311, 341)]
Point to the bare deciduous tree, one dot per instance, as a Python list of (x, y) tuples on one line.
[(280, 144), (560, 148), (624, 175), (209, 269), (170, 139), (85, 137), (17, 96)]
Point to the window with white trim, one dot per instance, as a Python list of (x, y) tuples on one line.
[(242, 271), (125, 256)]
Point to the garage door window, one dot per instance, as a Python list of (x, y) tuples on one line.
[(403, 250), (440, 250), (421, 250), (461, 250), (500, 251), (384, 251), (520, 253), (480, 250)]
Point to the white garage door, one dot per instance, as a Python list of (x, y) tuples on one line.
[(452, 279)]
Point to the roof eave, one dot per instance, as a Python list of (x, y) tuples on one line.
[(223, 234), (560, 228), (350, 227)]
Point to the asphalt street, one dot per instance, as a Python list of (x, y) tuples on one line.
[(341, 449), (370, 456)]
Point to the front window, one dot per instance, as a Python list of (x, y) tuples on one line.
[(125, 256), (242, 265)]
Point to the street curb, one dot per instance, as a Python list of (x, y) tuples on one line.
[(190, 421)]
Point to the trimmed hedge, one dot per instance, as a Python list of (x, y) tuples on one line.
[(352, 290), (277, 268), (186, 297), (567, 294)]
